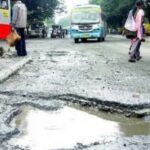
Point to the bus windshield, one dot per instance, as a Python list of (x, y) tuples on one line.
[(85, 17), (3, 4)]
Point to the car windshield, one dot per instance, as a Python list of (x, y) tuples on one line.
[(85, 16), (36, 25)]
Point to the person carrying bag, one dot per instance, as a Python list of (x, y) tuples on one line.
[(135, 26), (19, 23)]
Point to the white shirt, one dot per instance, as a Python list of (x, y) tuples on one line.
[(19, 18)]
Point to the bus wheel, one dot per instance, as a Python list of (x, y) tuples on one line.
[(99, 39), (76, 40), (103, 39), (83, 40)]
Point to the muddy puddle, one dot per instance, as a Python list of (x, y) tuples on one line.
[(64, 128)]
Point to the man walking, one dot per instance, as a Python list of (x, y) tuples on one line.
[(19, 22)]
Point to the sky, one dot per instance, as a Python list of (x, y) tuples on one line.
[(69, 5)]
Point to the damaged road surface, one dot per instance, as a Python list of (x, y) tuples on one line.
[(77, 96)]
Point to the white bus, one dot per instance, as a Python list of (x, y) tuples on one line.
[(88, 21)]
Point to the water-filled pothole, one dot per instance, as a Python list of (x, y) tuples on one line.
[(64, 128)]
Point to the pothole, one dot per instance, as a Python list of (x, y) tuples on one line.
[(64, 128)]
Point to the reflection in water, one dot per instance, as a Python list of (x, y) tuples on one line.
[(135, 129), (45, 130), (128, 126)]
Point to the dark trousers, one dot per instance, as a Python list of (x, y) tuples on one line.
[(21, 45)]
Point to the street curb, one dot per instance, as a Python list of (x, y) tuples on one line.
[(6, 73)]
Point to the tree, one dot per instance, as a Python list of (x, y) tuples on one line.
[(65, 21), (147, 9), (42, 9), (117, 10), (49, 22), (95, 1)]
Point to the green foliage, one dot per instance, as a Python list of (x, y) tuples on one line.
[(95, 1), (49, 22), (147, 9), (117, 10), (42, 9), (64, 22)]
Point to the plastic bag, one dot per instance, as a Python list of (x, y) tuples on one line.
[(130, 27), (12, 38), (130, 23)]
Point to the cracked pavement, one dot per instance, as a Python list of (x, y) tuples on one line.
[(93, 72)]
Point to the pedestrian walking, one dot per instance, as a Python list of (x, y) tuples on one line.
[(138, 15), (19, 23)]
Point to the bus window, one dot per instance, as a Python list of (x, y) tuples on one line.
[(5, 27), (3, 4)]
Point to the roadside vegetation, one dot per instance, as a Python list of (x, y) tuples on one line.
[(117, 10)]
